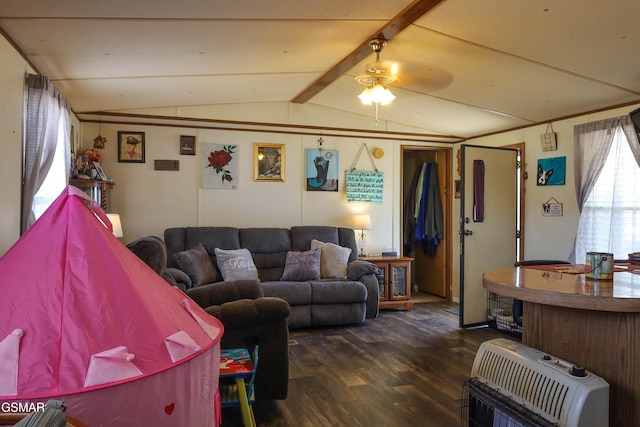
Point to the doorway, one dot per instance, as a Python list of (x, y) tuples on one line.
[(431, 272)]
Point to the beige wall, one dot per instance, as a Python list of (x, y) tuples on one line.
[(150, 201), (12, 77)]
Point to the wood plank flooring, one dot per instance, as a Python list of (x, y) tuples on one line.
[(405, 368)]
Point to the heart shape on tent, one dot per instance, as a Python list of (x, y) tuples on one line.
[(169, 408)]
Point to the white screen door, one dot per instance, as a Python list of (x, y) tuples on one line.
[(491, 243)]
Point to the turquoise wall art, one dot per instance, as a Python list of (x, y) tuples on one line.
[(552, 171)]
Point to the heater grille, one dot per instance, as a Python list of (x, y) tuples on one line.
[(523, 383), (549, 388)]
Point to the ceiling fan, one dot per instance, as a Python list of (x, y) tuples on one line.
[(377, 76)]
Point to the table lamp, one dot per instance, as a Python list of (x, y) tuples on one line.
[(117, 225), (362, 222)]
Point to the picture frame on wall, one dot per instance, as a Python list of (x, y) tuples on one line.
[(187, 145), (131, 147), (269, 162), (322, 170), (551, 171)]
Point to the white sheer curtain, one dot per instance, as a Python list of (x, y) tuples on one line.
[(47, 126), (607, 184)]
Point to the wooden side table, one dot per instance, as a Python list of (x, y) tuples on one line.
[(394, 281), (97, 190)]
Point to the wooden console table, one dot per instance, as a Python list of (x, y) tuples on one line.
[(97, 190), (592, 323), (394, 282)]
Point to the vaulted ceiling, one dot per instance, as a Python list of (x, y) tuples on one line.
[(466, 68)]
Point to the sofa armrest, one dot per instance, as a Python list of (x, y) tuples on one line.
[(263, 322), (367, 273), (221, 292), (358, 268), (182, 279), (249, 312)]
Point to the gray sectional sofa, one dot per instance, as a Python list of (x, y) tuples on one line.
[(276, 251)]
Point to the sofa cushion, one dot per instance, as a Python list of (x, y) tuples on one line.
[(295, 293), (269, 248), (301, 236), (152, 251), (197, 264), (333, 259), (337, 291), (301, 266), (236, 264)]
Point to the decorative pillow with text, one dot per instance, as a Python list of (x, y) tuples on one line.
[(236, 264)]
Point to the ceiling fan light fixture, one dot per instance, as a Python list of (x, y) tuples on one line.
[(376, 94), (377, 75)]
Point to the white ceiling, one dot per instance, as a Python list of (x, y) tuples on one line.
[(467, 68)]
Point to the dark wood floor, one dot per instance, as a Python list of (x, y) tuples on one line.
[(402, 369)]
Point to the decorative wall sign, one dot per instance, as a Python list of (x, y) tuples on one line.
[(322, 170), (552, 171), (552, 208), (548, 140), (220, 166), (365, 186), (166, 165)]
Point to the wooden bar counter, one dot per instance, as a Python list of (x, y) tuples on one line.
[(593, 323)]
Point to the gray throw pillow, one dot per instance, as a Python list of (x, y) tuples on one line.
[(236, 264), (334, 259), (197, 264), (301, 266)]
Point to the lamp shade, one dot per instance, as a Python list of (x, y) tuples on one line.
[(117, 225), (362, 222)]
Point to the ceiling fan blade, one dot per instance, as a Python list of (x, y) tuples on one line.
[(398, 23)]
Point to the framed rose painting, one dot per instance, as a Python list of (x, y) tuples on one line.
[(220, 166)]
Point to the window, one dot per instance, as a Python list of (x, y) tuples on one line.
[(46, 159), (56, 178), (610, 218)]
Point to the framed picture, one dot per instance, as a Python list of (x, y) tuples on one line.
[(130, 147), (322, 170), (100, 172), (551, 171), (268, 162), (187, 145), (220, 166)]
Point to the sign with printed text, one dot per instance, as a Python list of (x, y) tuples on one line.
[(364, 186)]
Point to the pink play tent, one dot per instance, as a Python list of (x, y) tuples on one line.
[(83, 320)]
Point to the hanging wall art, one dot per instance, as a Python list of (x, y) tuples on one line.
[(322, 170), (552, 171), (220, 166)]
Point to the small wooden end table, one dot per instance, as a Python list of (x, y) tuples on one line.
[(236, 363), (394, 282)]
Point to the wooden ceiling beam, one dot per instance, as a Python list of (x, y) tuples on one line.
[(398, 23)]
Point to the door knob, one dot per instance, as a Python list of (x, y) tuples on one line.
[(467, 232)]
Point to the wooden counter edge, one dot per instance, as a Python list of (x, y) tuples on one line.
[(559, 299)]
